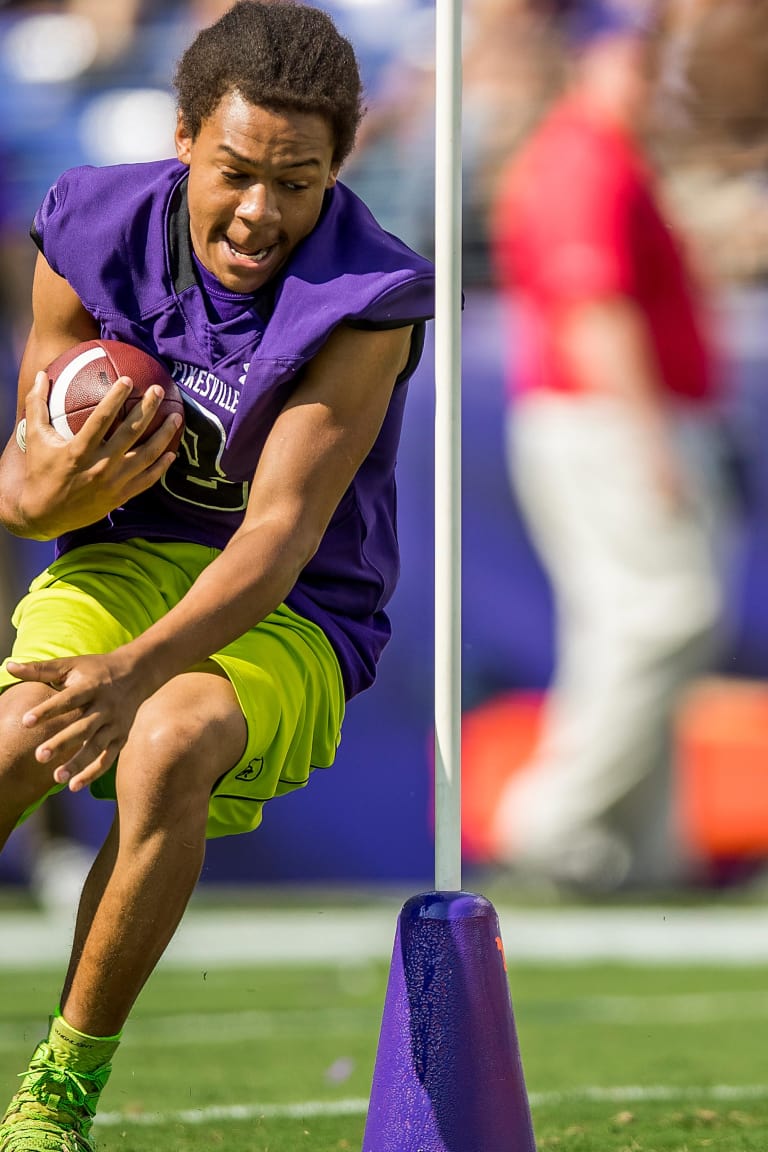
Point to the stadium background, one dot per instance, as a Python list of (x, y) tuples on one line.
[(102, 97)]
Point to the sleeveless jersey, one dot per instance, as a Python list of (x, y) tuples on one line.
[(120, 237)]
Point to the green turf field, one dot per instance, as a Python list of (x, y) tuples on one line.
[(617, 1058)]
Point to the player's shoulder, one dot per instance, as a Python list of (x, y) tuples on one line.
[(116, 205), (360, 241), (346, 271), (125, 185), (359, 270), (97, 222)]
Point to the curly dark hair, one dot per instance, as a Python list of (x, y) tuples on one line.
[(279, 55)]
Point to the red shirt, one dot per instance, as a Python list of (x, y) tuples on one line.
[(577, 219)]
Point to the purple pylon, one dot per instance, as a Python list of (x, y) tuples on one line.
[(448, 1075)]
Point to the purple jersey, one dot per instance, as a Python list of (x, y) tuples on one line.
[(120, 237)]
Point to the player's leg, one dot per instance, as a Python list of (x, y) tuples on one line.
[(256, 734), (23, 781), (183, 740), (205, 753)]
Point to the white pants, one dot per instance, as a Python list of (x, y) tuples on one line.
[(637, 602)]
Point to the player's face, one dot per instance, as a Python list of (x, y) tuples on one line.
[(256, 185)]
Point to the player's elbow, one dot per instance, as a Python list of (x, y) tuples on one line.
[(305, 540), (284, 544)]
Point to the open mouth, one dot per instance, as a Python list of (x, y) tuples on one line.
[(257, 257)]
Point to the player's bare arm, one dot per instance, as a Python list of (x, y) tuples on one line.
[(312, 453), (56, 485)]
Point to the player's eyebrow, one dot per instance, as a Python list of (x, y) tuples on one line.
[(307, 162)]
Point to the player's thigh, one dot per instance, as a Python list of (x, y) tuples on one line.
[(289, 684), (184, 738)]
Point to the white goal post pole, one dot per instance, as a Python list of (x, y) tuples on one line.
[(447, 497)]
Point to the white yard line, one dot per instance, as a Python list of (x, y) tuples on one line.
[(358, 1106), (355, 1106), (700, 935)]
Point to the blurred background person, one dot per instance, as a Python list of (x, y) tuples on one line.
[(613, 452), (510, 67), (714, 142)]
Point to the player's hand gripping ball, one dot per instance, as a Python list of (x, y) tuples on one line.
[(82, 376)]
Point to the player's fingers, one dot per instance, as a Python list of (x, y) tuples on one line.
[(147, 474), (96, 428), (36, 400), (61, 703), (52, 672), (152, 448), (83, 777), (64, 703), (61, 746), (88, 760), (138, 419), (36, 414)]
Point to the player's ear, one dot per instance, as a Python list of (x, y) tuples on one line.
[(183, 141), (333, 175)]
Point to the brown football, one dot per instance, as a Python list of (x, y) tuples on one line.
[(82, 376)]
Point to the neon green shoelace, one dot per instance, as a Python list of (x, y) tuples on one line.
[(55, 1104)]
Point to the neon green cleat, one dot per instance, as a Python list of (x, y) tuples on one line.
[(54, 1108)]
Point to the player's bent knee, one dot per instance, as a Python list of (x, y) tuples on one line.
[(184, 748)]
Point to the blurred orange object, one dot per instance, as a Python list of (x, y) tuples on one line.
[(497, 738), (722, 768), (721, 748)]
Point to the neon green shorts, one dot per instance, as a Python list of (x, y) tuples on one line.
[(284, 671)]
